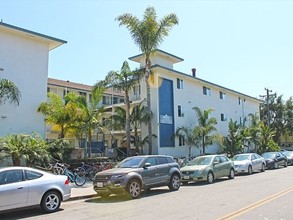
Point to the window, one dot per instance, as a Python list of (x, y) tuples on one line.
[(179, 83), (162, 160), (223, 117), (82, 94), (151, 160), (11, 176), (222, 95), (206, 91), (180, 112), (239, 100), (181, 140), (31, 175)]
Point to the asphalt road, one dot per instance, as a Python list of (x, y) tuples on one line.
[(267, 195)]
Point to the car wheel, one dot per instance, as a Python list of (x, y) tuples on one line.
[(232, 174), (249, 170), (134, 188), (276, 165), (174, 183), (80, 179), (51, 202), (210, 177), (285, 164), (263, 168)]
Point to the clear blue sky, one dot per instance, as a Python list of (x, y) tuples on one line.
[(244, 45)]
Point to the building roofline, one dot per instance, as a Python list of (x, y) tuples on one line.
[(204, 81), (57, 42), (171, 56)]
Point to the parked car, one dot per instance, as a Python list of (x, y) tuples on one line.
[(137, 173), (23, 187), (249, 163), (274, 160), (289, 155), (207, 168)]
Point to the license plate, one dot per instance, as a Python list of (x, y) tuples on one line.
[(100, 184), (186, 177)]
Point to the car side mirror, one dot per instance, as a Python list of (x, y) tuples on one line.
[(146, 165), (216, 162)]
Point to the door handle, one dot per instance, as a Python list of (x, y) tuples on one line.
[(21, 187)]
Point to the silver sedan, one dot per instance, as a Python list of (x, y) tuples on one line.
[(23, 187), (249, 163)]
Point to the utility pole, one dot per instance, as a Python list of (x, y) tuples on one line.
[(267, 96)]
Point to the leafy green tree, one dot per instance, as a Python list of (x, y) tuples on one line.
[(279, 114), (125, 81), (254, 130), (60, 113), (9, 92), (266, 139), (31, 148), (191, 137), (233, 141), (148, 34), (60, 149), (206, 127)]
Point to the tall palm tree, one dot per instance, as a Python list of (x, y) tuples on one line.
[(233, 141), (148, 34), (90, 114), (254, 130), (9, 92), (206, 126), (124, 81)]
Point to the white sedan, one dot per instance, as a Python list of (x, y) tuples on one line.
[(23, 187), (249, 163)]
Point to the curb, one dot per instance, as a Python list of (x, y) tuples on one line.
[(80, 197)]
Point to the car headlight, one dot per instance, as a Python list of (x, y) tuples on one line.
[(198, 172), (118, 176)]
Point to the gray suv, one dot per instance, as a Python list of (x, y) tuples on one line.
[(134, 174)]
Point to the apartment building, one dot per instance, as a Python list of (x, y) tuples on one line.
[(24, 57), (173, 96)]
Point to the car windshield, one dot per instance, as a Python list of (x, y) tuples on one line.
[(269, 155), (288, 153), (200, 161), (130, 162), (241, 157)]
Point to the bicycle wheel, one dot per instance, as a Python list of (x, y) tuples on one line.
[(91, 175), (80, 179)]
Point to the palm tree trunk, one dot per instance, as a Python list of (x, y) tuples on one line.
[(127, 126), (150, 132), (203, 146)]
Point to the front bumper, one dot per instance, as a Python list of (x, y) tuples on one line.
[(193, 177)]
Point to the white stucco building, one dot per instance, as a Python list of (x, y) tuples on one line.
[(174, 94), (24, 57)]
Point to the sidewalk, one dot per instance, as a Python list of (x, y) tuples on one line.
[(82, 192)]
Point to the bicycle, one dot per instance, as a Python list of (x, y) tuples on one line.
[(76, 177), (89, 170)]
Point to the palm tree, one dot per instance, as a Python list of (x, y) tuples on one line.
[(205, 127), (125, 81), (254, 130), (148, 34), (233, 141), (59, 113), (266, 139), (191, 137), (9, 92), (90, 114), (31, 148)]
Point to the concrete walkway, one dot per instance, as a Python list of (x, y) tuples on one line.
[(82, 192)]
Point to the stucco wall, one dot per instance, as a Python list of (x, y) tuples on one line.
[(25, 62)]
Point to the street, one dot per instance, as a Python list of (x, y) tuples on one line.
[(265, 195)]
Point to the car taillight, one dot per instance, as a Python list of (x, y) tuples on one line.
[(66, 182)]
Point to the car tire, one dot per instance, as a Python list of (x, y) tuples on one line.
[(285, 164), (249, 172), (80, 179), (231, 174), (210, 177), (276, 165), (134, 188), (263, 168), (174, 183), (51, 202)]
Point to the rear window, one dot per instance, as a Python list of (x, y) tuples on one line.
[(31, 175)]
